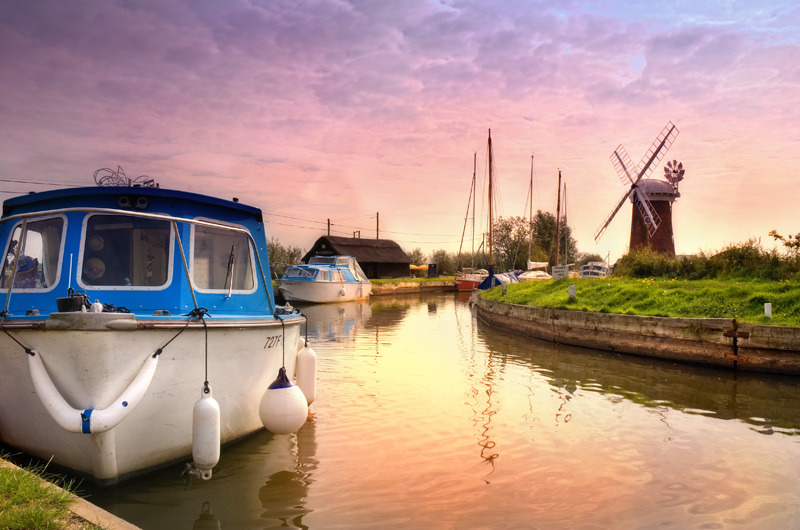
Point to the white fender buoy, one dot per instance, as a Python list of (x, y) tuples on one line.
[(342, 291), (89, 421), (283, 408), (205, 433), (97, 307), (306, 372)]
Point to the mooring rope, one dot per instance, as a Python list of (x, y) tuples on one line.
[(3, 314)]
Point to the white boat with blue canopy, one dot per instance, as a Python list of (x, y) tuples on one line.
[(325, 279), (123, 307)]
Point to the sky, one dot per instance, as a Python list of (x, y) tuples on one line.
[(368, 113)]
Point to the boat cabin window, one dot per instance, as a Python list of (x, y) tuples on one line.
[(222, 260), (122, 250), (337, 276), (322, 276), (39, 256)]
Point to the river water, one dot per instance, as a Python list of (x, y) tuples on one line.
[(428, 419)]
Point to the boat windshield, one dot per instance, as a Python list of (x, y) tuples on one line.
[(38, 257), (222, 260), (322, 260), (297, 272), (123, 250)]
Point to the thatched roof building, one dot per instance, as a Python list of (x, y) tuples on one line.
[(379, 258)]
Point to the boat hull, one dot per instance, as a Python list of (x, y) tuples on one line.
[(92, 368), (467, 285), (323, 292)]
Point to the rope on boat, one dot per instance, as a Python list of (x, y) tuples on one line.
[(3, 314), (200, 313)]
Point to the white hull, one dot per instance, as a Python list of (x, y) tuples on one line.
[(323, 292), (92, 368)]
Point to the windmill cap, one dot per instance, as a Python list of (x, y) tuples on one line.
[(656, 189)]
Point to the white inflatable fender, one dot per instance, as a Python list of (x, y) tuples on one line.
[(90, 420), (305, 371), (206, 433)]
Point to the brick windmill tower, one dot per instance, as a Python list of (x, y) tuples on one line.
[(651, 218)]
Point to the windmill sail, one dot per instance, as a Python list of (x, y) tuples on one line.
[(624, 166), (625, 170)]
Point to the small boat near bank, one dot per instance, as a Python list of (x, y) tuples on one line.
[(123, 308), (325, 279), (469, 279), (594, 269)]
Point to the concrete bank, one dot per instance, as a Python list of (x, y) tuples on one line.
[(721, 342), (88, 511), (379, 289)]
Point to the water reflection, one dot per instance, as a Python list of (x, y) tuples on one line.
[(261, 482), (426, 418), (335, 322), (767, 402), (206, 520)]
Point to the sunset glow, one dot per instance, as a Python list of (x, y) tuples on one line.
[(340, 110)]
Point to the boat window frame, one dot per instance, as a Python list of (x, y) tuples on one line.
[(166, 217), (222, 225), (127, 288), (28, 219)]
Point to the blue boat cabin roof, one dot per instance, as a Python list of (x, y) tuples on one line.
[(120, 245)]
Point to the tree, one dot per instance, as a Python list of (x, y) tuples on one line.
[(790, 242), (511, 236), (445, 262), (281, 257), (544, 235), (416, 256)]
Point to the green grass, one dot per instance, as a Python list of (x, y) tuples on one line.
[(28, 501), (740, 299)]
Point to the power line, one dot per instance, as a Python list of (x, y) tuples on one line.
[(41, 182)]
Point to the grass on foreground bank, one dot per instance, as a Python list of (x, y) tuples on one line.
[(740, 299), (28, 501)]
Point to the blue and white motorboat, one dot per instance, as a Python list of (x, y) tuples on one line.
[(325, 279), (594, 269), (123, 308)]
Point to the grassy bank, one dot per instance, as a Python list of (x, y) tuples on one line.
[(28, 501), (740, 299)]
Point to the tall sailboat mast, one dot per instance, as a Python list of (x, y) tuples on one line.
[(472, 199), (558, 217), (491, 213), (474, 188), (530, 215)]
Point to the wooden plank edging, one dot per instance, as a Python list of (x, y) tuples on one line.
[(721, 342)]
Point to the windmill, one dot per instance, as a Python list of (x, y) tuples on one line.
[(651, 220)]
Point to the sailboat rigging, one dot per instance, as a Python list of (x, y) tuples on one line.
[(470, 279), (530, 273)]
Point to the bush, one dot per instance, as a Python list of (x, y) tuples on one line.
[(743, 260)]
